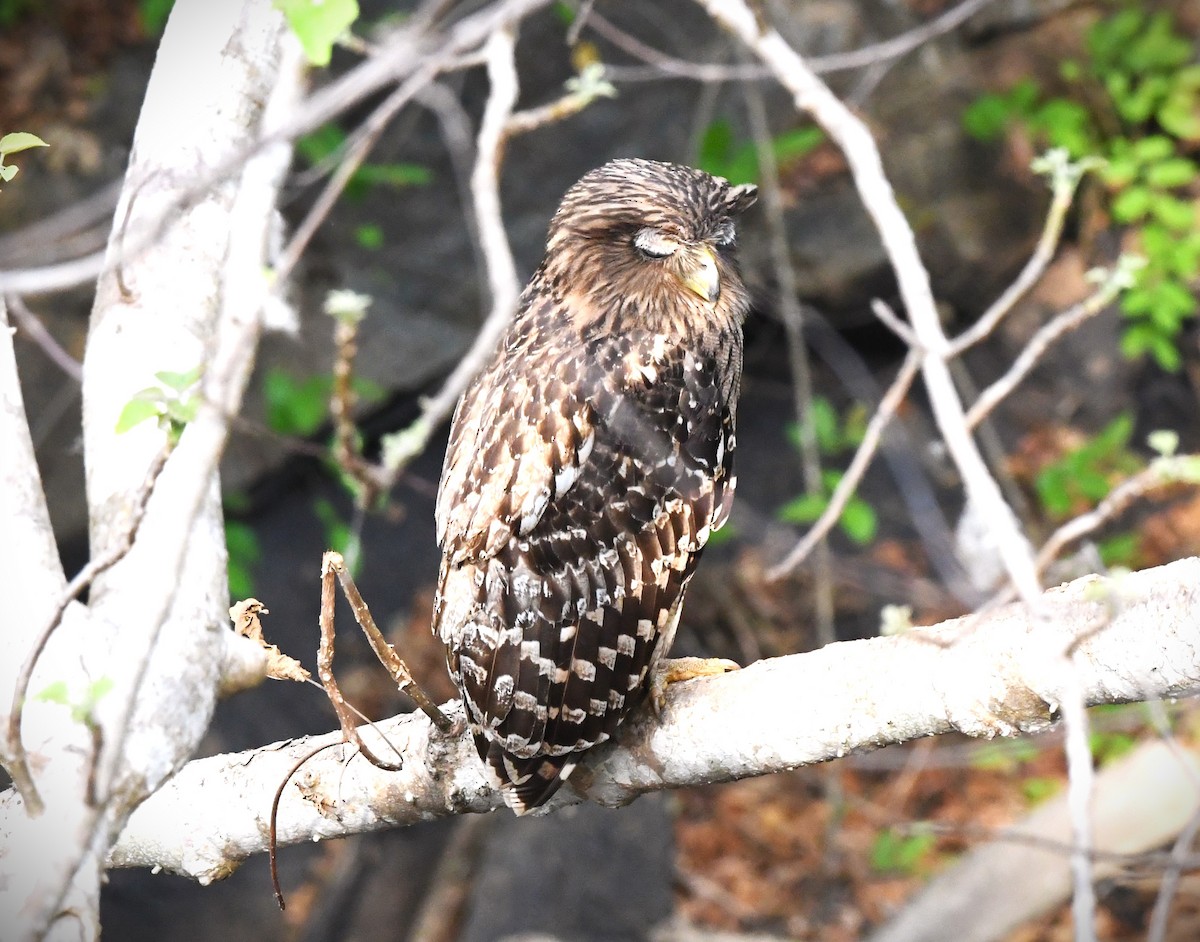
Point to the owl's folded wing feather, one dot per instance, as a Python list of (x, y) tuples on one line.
[(517, 441)]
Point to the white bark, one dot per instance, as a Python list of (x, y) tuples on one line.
[(1138, 638), (155, 626)]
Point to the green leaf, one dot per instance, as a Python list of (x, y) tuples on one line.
[(1176, 298), (1137, 340), (1172, 212), (1120, 549), (321, 144), (181, 411), (892, 852), (8, 172), (147, 404), (1166, 353), (18, 141), (1022, 97), (1109, 36), (794, 144), (1180, 113), (244, 551), (1066, 124), (55, 692), (1005, 755), (1038, 788), (1158, 47), (824, 420), (1119, 172), (986, 117), (180, 382), (716, 147), (1152, 148), (295, 407), (153, 15), (1132, 204), (858, 521), (1142, 99), (803, 509), (1115, 435), (369, 236), (1109, 746), (726, 534), (564, 12), (1176, 171), (1137, 301), (397, 175), (318, 24), (337, 531)]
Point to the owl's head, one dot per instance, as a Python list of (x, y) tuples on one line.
[(652, 241)]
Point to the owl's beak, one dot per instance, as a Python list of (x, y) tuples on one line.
[(702, 276)]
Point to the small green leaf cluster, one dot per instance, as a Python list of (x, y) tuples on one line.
[(722, 155), (318, 24), (1135, 102), (152, 14), (895, 852), (833, 435), (244, 553), (83, 705), (14, 143), (327, 141), (174, 403), (300, 406), (1084, 476)]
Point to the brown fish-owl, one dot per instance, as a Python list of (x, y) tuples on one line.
[(588, 464)]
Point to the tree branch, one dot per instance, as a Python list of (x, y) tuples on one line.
[(992, 674)]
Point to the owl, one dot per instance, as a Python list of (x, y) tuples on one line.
[(589, 462)]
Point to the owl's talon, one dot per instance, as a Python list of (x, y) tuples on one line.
[(457, 729), (679, 669)]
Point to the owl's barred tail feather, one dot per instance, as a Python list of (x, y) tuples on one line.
[(525, 783)]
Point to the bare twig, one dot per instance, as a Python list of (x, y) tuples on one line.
[(892, 322), (858, 467), (402, 56), (1032, 352), (1081, 776), (36, 331), (1160, 472), (458, 136), (589, 85), (325, 667), (273, 839), (84, 216), (399, 449), (1178, 860), (665, 65), (1064, 180), (793, 322), (332, 563)]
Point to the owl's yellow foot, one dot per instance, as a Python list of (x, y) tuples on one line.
[(684, 668)]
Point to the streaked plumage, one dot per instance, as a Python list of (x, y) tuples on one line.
[(588, 464)]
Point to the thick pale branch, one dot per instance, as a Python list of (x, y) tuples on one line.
[(1134, 638)]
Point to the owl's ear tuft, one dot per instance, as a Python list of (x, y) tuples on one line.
[(740, 198)]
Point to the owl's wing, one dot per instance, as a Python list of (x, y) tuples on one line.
[(518, 438)]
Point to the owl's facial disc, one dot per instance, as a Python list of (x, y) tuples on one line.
[(698, 272)]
